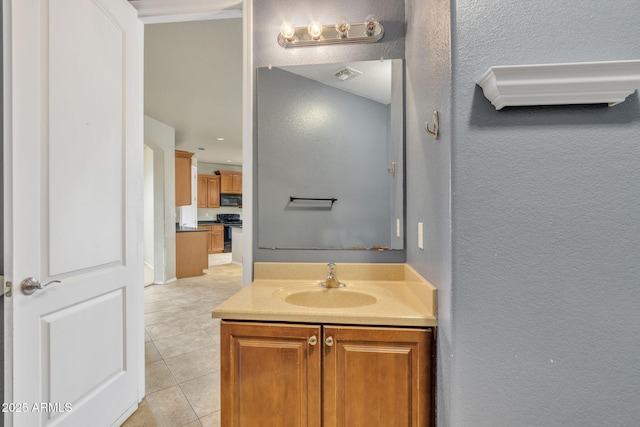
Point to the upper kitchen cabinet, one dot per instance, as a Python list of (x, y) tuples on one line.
[(208, 191), (230, 182), (183, 178)]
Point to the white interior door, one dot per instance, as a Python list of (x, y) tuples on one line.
[(73, 211)]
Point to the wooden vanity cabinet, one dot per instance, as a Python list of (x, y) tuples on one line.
[(208, 191), (273, 374)]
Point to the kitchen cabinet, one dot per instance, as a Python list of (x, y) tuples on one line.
[(230, 182), (191, 253), (183, 177), (326, 375), (208, 191), (215, 238)]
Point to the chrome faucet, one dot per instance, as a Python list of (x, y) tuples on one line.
[(332, 280)]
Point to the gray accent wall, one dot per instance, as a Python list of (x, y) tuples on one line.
[(546, 227), (268, 16), (428, 88)]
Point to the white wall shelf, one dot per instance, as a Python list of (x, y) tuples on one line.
[(606, 82)]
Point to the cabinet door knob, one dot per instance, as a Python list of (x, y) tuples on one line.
[(313, 340), (329, 341)]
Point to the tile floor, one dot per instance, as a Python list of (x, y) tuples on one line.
[(182, 349)]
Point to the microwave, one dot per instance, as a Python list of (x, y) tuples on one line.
[(231, 200)]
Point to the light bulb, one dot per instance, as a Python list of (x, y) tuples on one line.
[(371, 24), (287, 31), (342, 27), (315, 30)]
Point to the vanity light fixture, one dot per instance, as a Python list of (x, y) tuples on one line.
[(316, 34), (371, 23), (342, 27), (287, 31), (315, 30)]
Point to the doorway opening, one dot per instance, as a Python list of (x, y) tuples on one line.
[(179, 86)]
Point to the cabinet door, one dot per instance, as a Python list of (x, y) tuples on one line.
[(378, 377), (213, 192), (183, 177), (226, 182), (202, 191), (217, 239), (270, 375), (236, 182)]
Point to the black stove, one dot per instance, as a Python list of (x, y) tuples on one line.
[(228, 220)]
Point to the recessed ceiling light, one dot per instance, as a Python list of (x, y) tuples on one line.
[(220, 139), (228, 161), (200, 148)]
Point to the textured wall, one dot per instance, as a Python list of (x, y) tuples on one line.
[(546, 236), (268, 16), (428, 88)]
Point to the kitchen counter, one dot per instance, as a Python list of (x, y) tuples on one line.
[(402, 296), (184, 229)]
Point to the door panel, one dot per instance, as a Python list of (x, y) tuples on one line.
[(93, 367), (86, 134), (73, 161)]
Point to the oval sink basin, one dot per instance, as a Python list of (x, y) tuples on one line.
[(330, 298)]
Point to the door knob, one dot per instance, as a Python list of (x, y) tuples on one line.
[(31, 284), (329, 341), (313, 340)]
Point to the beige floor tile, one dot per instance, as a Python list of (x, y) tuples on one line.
[(170, 407), (143, 417), (183, 343), (203, 394), (200, 308), (156, 289), (158, 377), (151, 353), (150, 297), (212, 420), (209, 325), (170, 329), (178, 320), (195, 364), (161, 316), (150, 307)]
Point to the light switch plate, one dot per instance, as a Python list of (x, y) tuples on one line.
[(420, 235)]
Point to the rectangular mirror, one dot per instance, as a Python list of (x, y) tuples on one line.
[(330, 156)]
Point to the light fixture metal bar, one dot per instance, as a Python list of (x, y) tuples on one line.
[(357, 34)]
